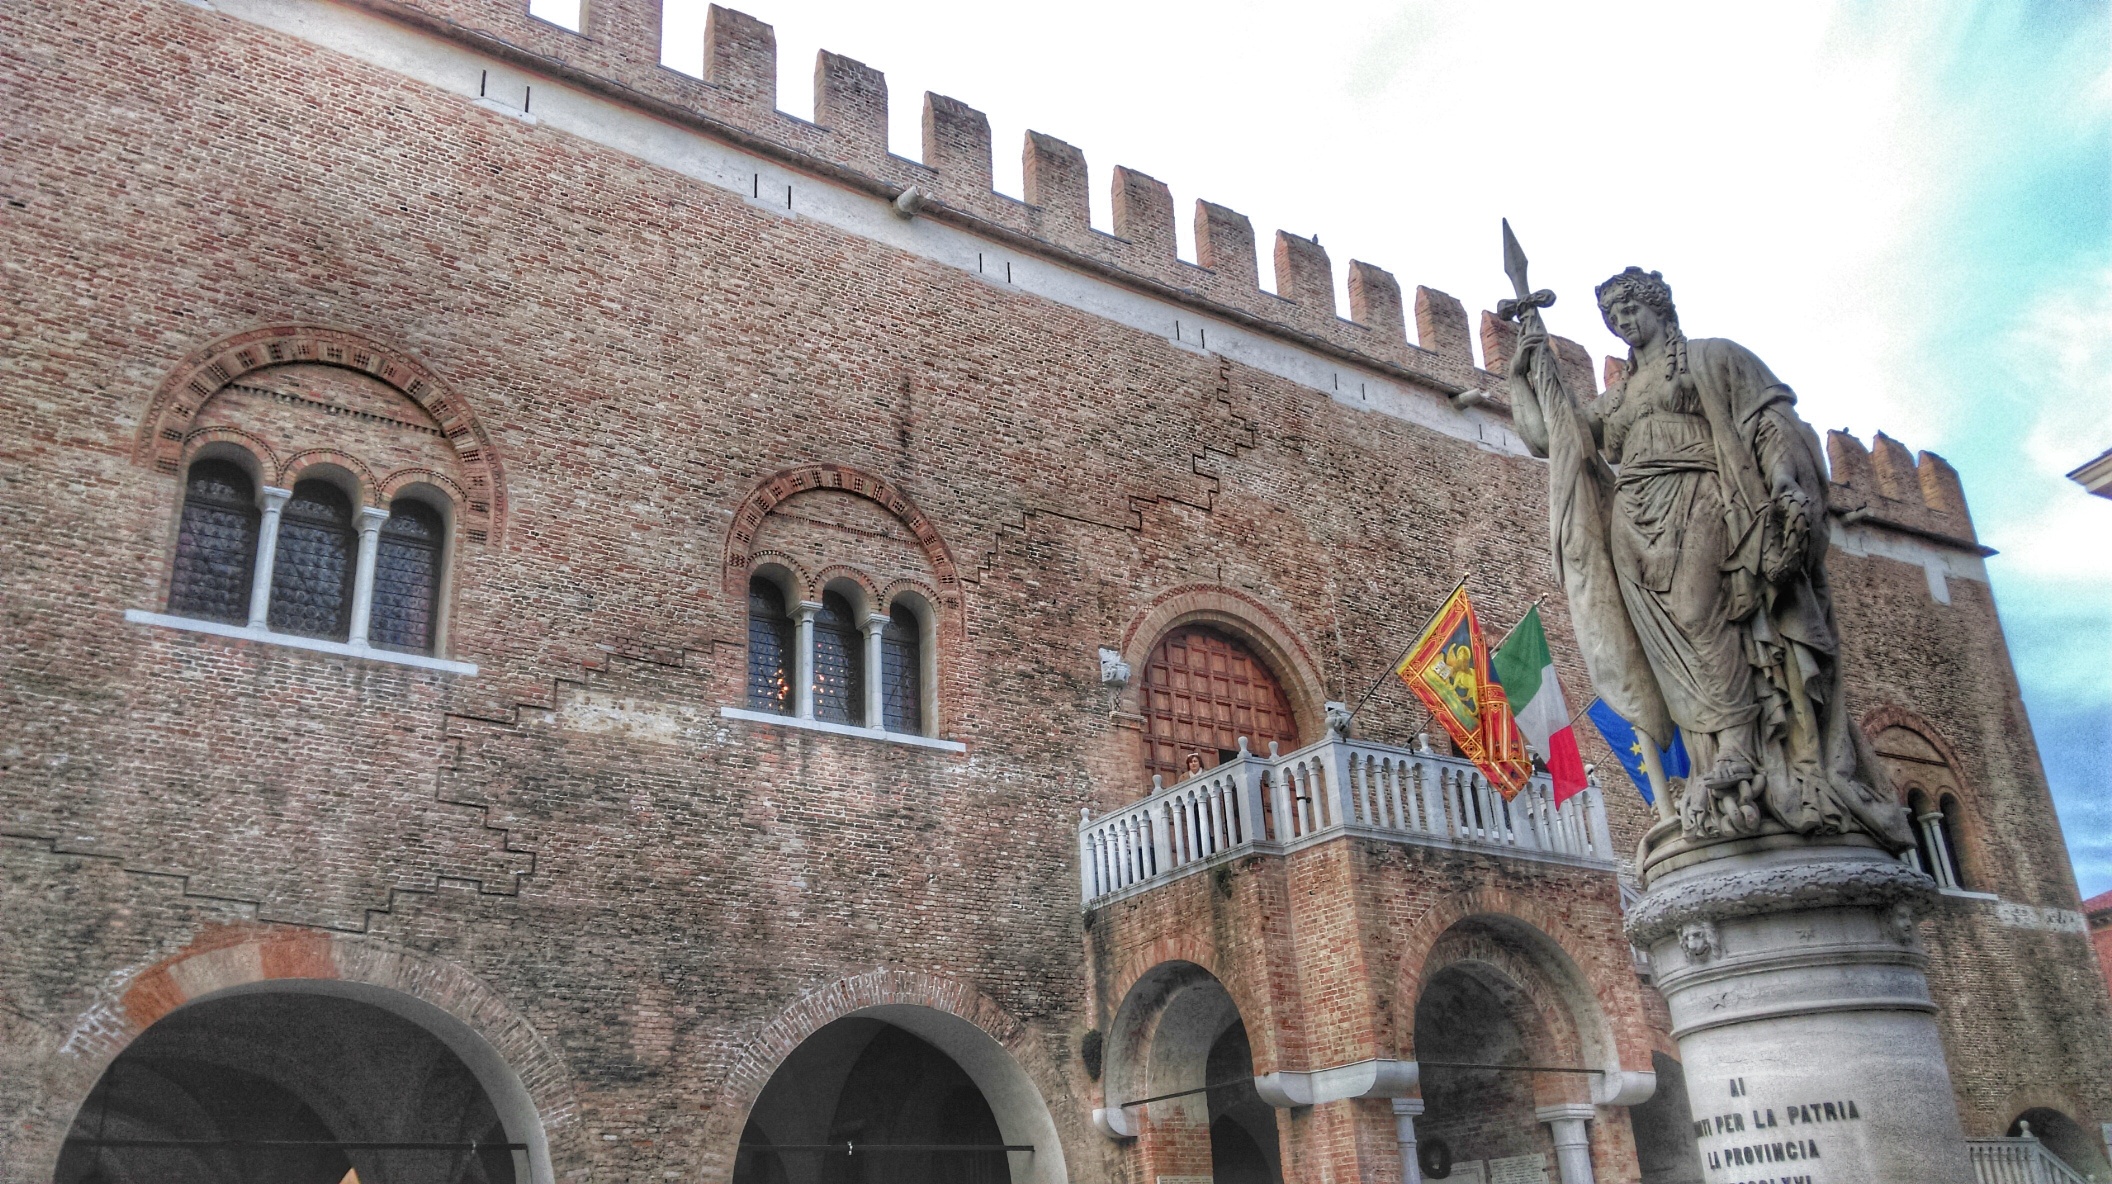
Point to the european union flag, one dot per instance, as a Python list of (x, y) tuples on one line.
[(1628, 746)]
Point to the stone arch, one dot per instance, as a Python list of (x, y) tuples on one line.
[(1179, 1072), (1244, 617), (800, 583), (166, 429), (776, 488), (1968, 830), (997, 1051), (868, 598), (300, 464), (528, 1082), (917, 588), (1608, 1026), (395, 483), (201, 442)]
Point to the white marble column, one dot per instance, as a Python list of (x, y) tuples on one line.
[(273, 500), (1572, 1139), (803, 658), (1931, 825), (1404, 1112), (874, 716), (370, 520)]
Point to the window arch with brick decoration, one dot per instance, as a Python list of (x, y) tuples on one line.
[(324, 485), (1924, 772), (852, 608), (1203, 690)]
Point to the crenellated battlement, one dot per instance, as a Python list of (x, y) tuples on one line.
[(617, 54), (1885, 485)]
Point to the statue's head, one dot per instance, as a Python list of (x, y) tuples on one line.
[(1635, 303)]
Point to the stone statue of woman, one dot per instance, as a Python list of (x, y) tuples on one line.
[(1690, 529)]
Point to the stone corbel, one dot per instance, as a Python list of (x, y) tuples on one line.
[(1624, 1087), (1285, 1089), (1116, 1122)]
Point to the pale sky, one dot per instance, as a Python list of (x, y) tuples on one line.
[(1905, 208)]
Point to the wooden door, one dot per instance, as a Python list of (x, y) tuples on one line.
[(1202, 691)]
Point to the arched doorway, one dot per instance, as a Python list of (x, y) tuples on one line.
[(1513, 1048), (874, 1098), (2067, 1139), (1181, 1067), (1203, 689), (289, 1087)]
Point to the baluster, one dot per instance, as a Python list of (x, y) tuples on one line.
[(1179, 831), (1192, 822), (1595, 811), (1155, 818), (1403, 793)]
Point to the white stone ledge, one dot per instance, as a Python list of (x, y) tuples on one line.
[(292, 641), (816, 725)]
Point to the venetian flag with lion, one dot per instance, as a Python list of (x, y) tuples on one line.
[(1448, 669)]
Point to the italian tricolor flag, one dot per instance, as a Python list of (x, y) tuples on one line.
[(1527, 671)]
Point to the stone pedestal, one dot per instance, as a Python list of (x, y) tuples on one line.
[(1796, 985)]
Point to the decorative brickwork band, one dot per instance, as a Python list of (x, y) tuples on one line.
[(167, 429)]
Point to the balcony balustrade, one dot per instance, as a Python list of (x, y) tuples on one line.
[(1282, 803), (2019, 1160)]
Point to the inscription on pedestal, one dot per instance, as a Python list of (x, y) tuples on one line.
[(1771, 1141), (1518, 1169)]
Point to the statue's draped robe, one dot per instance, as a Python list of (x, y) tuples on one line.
[(1667, 569)]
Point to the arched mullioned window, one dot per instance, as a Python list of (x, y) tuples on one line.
[(407, 578), (902, 672), (216, 544), (770, 648), (1933, 799), (1203, 690), (839, 663), (311, 578)]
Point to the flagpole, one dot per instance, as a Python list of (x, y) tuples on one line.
[(1514, 624), (1394, 665)]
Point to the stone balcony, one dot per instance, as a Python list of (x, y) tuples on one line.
[(1281, 803)]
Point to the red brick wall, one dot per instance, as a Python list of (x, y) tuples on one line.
[(653, 889)]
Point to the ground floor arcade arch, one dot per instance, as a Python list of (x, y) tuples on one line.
[(899, 1094), (1179, 1077), (297, 1081)]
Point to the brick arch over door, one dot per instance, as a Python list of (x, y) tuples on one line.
[(1237, 615), (1204, 690), (532, 1085), (166, 429)]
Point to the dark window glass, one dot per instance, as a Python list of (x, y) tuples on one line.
[(902, 673), (1926, 854), (769, 648), (216, 544), (839, 685), (406, 578), (311, 578)]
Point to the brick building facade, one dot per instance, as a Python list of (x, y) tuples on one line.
[(555, 582)]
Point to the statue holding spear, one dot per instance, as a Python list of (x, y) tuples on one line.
[(1688, 511)]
